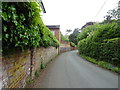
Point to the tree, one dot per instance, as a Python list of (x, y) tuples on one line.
[(112, 15), (72, 44), (0, 9), (68, 31), (73, 36), (64, 37)]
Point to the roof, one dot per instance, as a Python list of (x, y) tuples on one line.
[(42, 6), (53, 26)]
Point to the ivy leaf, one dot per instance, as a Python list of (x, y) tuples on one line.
[(4, 16), (22, 17), (25, 41), (15, 22), (29, 14), (16, 38), (14, 16), (33, 13), (4, 28), (6, 35), (16, 44), (12, 8), (21, 35), (10, 39), (9, 15)]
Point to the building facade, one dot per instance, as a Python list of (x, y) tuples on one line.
[(55, 29)]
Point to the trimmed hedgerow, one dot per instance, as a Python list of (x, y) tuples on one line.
[(102, 43)]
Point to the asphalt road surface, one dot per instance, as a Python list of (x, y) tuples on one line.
[(68, 70)]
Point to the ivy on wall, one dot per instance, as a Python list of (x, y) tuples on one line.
[(23, 28)]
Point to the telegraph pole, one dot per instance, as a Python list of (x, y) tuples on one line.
[(119, 10)]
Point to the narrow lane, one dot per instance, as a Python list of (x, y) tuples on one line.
[(68, 70)]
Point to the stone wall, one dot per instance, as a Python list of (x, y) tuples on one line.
[(16, 68), (43, 55), (64, 49), (67, 48), (0, 71)]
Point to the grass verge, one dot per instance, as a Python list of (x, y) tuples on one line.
[(103, 64)]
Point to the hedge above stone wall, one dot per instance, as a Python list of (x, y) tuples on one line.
[(22, 27)]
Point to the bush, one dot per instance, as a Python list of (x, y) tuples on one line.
[(37, 73), (110, 50), (88, 31), (89, 48), (106, 31), (72, 44), (103, 44)]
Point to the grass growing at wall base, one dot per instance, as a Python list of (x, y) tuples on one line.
[(103, 64), (37, 73), (42, 66), (29, 80)]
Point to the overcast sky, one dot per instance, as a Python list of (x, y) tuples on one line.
[(71, 14)]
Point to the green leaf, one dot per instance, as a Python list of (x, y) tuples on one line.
[(5, 28), (4, 16), (10, 39), (6, 35), (12, 8)]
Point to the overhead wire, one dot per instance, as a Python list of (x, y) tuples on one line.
[(100, 9)]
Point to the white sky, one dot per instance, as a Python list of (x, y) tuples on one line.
[(71, 14)]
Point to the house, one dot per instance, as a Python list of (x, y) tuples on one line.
[(55, 29), (42, 6)]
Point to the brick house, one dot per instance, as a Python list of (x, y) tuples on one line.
[(55, 29)]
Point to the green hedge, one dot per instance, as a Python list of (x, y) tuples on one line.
[(103, 44), (87, 31), (22, 27), (110, 51), (89, 48)]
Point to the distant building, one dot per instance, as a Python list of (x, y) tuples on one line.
[(87, 24), (55, 29)]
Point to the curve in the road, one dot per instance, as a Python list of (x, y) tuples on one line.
[(69, 70)]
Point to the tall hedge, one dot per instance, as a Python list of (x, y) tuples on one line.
[(23, 28), (102, 44), (110, 51)]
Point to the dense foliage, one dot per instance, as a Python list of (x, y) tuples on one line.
[(101, 41), (64, 38), (23, 28), (72, 44), (73, 36), (87, 31)]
